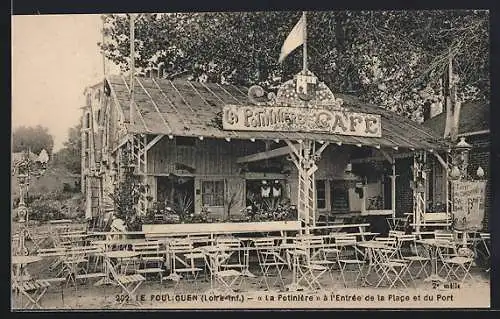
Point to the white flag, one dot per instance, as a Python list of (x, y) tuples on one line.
[(294, 39)]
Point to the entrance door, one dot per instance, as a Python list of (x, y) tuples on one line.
[(176, 192)]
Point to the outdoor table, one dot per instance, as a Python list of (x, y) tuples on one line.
[(120, 255), (246, 255), (211, 253), (433, 246), (21, 262)]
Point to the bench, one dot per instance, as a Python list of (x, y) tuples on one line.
[(199, 230)]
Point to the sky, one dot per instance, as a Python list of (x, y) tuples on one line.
[(54, 57)]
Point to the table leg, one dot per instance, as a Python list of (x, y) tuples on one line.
[(434, 276), (107, 279)]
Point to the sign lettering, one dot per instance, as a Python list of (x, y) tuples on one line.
[(296, 119), (468, 204)]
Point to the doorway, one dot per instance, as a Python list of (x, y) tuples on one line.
[(176, 192)]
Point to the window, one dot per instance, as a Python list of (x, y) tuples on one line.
[(321, 194), (87, 120), (212, 193), (87, 140), (339, 196)]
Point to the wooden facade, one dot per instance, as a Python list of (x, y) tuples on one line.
[(173, 134)]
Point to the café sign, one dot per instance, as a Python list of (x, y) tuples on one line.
[(300, 119)]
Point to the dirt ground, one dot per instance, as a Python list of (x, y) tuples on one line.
[(473, 293), (419, 294)]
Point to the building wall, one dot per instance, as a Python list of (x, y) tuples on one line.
[(212, 159)]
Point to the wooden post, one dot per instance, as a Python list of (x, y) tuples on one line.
[(393, 189)]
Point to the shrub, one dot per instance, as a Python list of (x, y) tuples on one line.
[(44, 210)]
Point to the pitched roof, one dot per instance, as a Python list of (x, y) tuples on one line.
[(188, 108), (474, 117)]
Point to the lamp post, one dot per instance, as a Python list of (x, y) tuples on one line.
[(25, 170), (460, 160)]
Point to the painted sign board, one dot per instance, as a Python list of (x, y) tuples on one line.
[(300, 119), (468, 204)]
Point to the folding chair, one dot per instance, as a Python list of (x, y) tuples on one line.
[(182, 257), (270, 260), (446, 247), (150, 258), (485, 239), (390, 266), (33, 290), (389, 241), (234, 261), (128, 283), (458, 266), (224, 275), (408, 250), (348, 257), (395, 233), (308, 269)]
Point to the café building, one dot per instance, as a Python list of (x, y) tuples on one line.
[(226, 149)]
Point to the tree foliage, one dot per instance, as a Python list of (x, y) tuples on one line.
[(127, 194), (33, 138), (70, 155), (392, 58)]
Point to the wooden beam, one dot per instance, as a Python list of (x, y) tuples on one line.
[(153, 142), (379, 158), (285, 150), (122, 142), (387, 156), (441, 161), (321, 149)]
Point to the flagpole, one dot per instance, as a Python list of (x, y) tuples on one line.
[(304, 47)]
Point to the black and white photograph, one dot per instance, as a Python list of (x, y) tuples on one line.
[(251, 160)]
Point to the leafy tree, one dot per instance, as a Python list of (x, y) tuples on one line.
[(70, 155), (392, 58), (33, 138)]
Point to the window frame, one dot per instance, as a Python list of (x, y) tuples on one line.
[(325, 196), (333, 188), (221, 197)]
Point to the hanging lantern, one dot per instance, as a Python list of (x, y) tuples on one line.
[(455, 173)]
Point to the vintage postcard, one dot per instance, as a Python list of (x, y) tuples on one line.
[(251, 160)]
